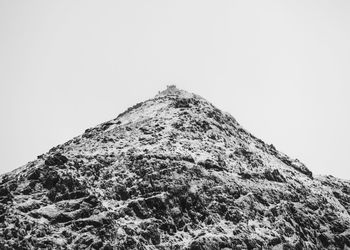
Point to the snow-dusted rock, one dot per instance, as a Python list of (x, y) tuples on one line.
[(173, 172)]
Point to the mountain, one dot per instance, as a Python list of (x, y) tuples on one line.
[(173, 172)]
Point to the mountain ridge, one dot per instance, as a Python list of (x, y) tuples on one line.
[(172, 172)]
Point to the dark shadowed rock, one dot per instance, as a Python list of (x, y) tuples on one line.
[(274, 175), (56, 159)]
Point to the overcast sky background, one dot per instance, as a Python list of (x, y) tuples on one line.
[(281, 68)]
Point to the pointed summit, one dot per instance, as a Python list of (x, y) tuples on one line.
[(172, 172), (172, 90)]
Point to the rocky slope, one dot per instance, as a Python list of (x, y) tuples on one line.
[(173, 172)]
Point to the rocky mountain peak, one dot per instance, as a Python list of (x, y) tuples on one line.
[(172, 90), (172, 172)]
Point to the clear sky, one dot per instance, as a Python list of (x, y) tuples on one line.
[(281, 68)]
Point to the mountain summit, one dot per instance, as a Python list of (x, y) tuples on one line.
[(173, 172)]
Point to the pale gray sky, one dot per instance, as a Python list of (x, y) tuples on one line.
[(281, 68)]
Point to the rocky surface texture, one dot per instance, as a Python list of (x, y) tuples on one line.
[(173, 172)]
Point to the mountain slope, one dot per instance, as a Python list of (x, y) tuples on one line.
[(173, 172)]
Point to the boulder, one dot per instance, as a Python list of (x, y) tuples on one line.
[(56, 159), (274, 175)]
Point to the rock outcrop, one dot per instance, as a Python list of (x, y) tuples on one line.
[(173, 172)]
